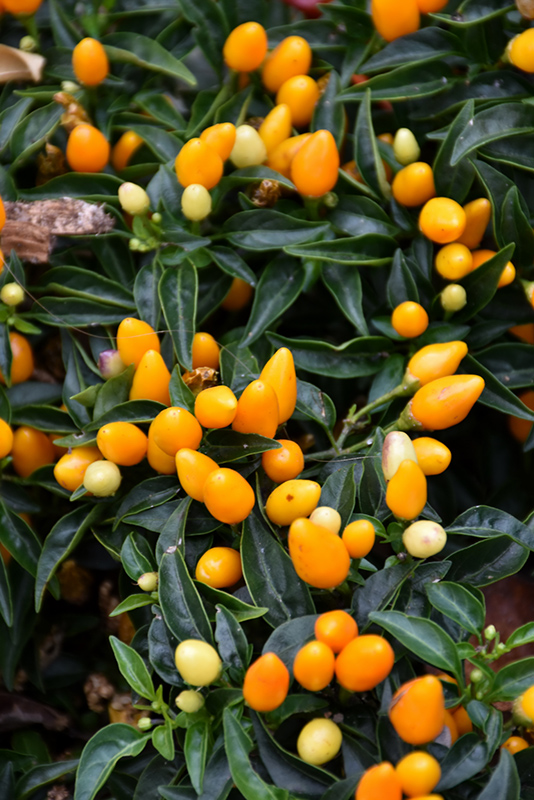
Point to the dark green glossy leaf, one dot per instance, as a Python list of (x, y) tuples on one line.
[(240, 610), (280, 284), (163, 740), (44, 418), (421, 80), (487, 562), (136, 556), (76, 282), (135, 411), (113, 392), (132, 602), (161, 647), (287, 639), (515, 227), (401, 285), (457, 603), (378, 590), (454, 181), (422, 637), (328, 114), (466, 758), (521, 636), (60, 542), (314, 404), (6, 603), (133, 669), (473, 13), (356, 216), (132, 48), (269, 230), (196, 750), (344, 284), (226, 445), (339, 492), (231, 643), (41, 776), (427, 44), (512, 680), (270, 575), (32, 131), (147, 495), (504, 782), (511, 364), (81, 313), (355, 358), (238, 747), (232, 263), (181, 394), (503, 121), (146, 293), (481, 284), (484, 521), (370, 249), (101, 754), (182, 607), (21, 541), (178, 290), (366, 153), (96, 187)]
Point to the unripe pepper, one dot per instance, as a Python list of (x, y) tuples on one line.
[(405, 146), (442, 403), (314, 169), (453, 298), (249, 149), (435, 361), (424, 539), (407, 491), (397, 447), (196, 202)]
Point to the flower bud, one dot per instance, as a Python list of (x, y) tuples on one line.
[(501, 649), (70, 87), (397, 448), (148, 581), (424, 539), (196, 202), (102, 478), (12, 294), (28, 44), (249, 149), (134, 244), (133, 199), (476, 676), (453, 297), (156, 218), (144, 724), (110, 364), (405, 147), (490, 633), (190, 701)]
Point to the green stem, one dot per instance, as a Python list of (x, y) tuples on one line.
[(312, 205), (350, 422)]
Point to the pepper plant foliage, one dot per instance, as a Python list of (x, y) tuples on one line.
[(326, 278)]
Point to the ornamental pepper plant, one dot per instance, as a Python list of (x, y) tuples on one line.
[(266, 400)]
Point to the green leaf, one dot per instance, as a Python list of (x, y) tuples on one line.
[(368, 250), (287, 639), (136, 556), (101, 754), (487, 562), (403, 83), (173, 532), (133, 48), (280, 284), (32, 132), (146, 292), (21, 541), (401, 285), (466, 758), (81, 313), (232, 643), (481, 284), (264, 229), (454, 181), (457, 603), (379, 589), (270, 575), (511, 364), (484, 521), (422, 637), (366, 153), (225, 445), (133, 669), (345, 285), (197, 739), (42, 775), (314, 404), (240, 610), (232, 263), (427, 44), (512, 680), (181, 394), (339, 492), (353, 359), (135, 411), (504, 782), (161, 648), (6, 603), (178, 290), (60, 542), (87, 284), (521, 636), (132, 602), (329, 115), (499, 122), (148, 494), (515, 227), (182, 607), (238, 746), (44, 418), (114, 392), (356, 216)]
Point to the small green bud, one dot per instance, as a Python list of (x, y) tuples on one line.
[(70, 87), (405, 147), (189, 701), (28, 44), (330, 199), (144, 724), (476, 676), (134, 244), (196, 202), (501, 648), (490, 633), (479, 695), (156, 218), (453, 297)]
